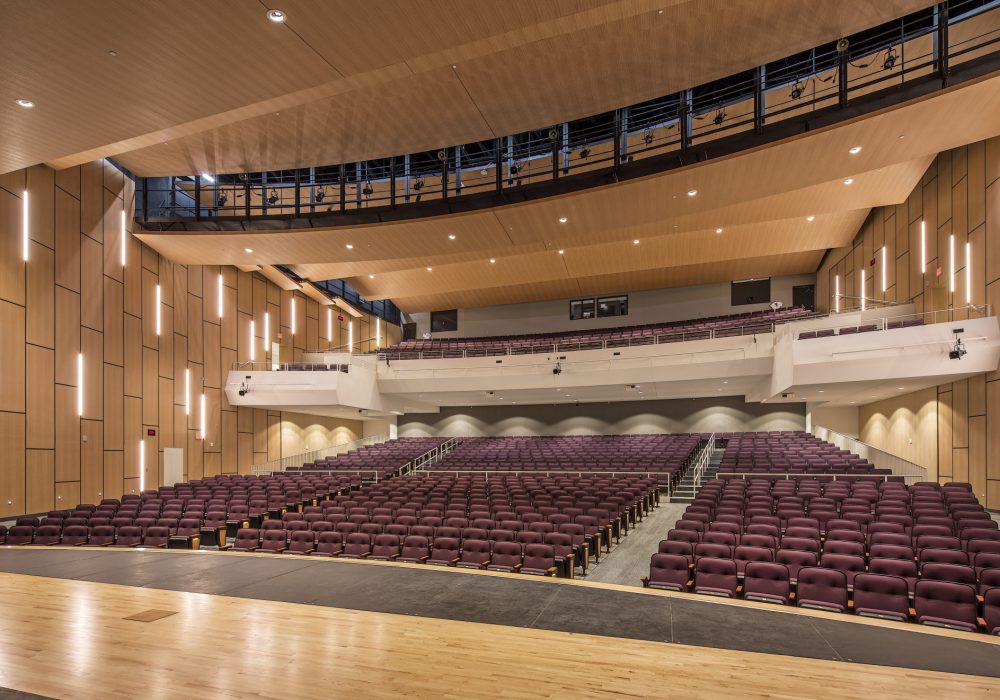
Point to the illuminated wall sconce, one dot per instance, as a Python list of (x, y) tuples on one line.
[(158, 312), (836, 294), (267, 332), (292, 324), (923, 247), (187, 391), (204, 421), (863, 300), (219, 295), (885, 282), (79, 384), (142, 465), (253, 340), (951, 271), (123, 239), (24, 226), (968, 272)]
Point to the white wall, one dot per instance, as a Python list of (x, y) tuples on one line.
[(723, 414), (654, 306)]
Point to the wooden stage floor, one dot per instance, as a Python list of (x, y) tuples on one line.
[(66, 637)]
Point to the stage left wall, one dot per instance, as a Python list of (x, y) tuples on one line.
[(73, 302)]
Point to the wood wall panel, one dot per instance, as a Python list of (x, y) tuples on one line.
[(40, 297), (73, 296), (40, 397), (959, 194)]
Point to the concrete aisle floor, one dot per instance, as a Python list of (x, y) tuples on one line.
[(629, 560)]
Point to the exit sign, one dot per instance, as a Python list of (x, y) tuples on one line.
[(151, 432)]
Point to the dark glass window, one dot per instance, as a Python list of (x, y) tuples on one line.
[(581, 308), (612, 306), (754, 291), (444, 321)]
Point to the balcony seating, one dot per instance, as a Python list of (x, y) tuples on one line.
[(675, 331), (384, 459)]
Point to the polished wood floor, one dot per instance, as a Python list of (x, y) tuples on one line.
[(70, 639)]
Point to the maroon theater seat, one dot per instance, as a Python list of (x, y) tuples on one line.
[(766, 582), (475, 554), (715, 577), (301, 542), (668, 572), (539, 560), (945, 604), (878, 595), (821, 589)]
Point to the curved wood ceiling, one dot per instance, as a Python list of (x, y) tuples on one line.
[(215, 86), (760, 199)]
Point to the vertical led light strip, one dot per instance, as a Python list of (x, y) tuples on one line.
[(124, 239), (203, 421), (350, 335), (968, 272), (142, 465), (863, 304), (253, 341), (187, 391), (329, 325), (884, 281), (267, 332), (378, 332), (923, 247), (158, 319), (951, 254), (24, 226), (836, 294), (293, 316), (79, 384), (219, 293)]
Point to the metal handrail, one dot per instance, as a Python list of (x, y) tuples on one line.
[(432, 456), (262, 366), (702, 461), (283, 463), (867, 476), (885, 323)]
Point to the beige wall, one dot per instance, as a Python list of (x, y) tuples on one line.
[(302, 433), (73, 296), (840, 419), (725, 414), (959, 194), (905, 426)]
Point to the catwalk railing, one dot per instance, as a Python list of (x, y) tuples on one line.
[(928, 50), (891, 321), (297, 460), (911, 471), (832, 476)]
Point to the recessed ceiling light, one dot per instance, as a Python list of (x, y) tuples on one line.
[(112, 53), (855, 150), (563, 219), (848, 180), (248, 250), (900, 388), (493, 261), (562, 252), (718, 230), (852, 403), (635, 241), (21, 102), (349, 246), (451, 236), (371, 277), (810, 218), (822, 391), (901, 136), (429, 269), (692, 193), (276, 16)]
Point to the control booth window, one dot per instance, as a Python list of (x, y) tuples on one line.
[(580, 309), (752, 291), (444, 321), (612, 306)]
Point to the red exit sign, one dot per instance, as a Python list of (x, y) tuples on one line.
[(151, 432)]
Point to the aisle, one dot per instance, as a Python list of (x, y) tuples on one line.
[(629, 560)]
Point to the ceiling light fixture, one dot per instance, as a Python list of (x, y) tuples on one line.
[(276, 16), (692, 193), (855, 150), (635, 241), (848, 181), (563, 219), (208, 178), (493, 261), (248, 250), (562, 252), (718, 230), (21, 102), (349, 246), (430, 269), (371, 277), (810, 218), (451, 236)]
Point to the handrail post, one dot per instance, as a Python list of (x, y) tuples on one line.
[(842, 59), (941, 12), (758, 99)]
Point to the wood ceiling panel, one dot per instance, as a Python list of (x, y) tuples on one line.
[(232, 90), (761, 199)]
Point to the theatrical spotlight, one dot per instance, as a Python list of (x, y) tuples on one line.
[(797, 91)]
